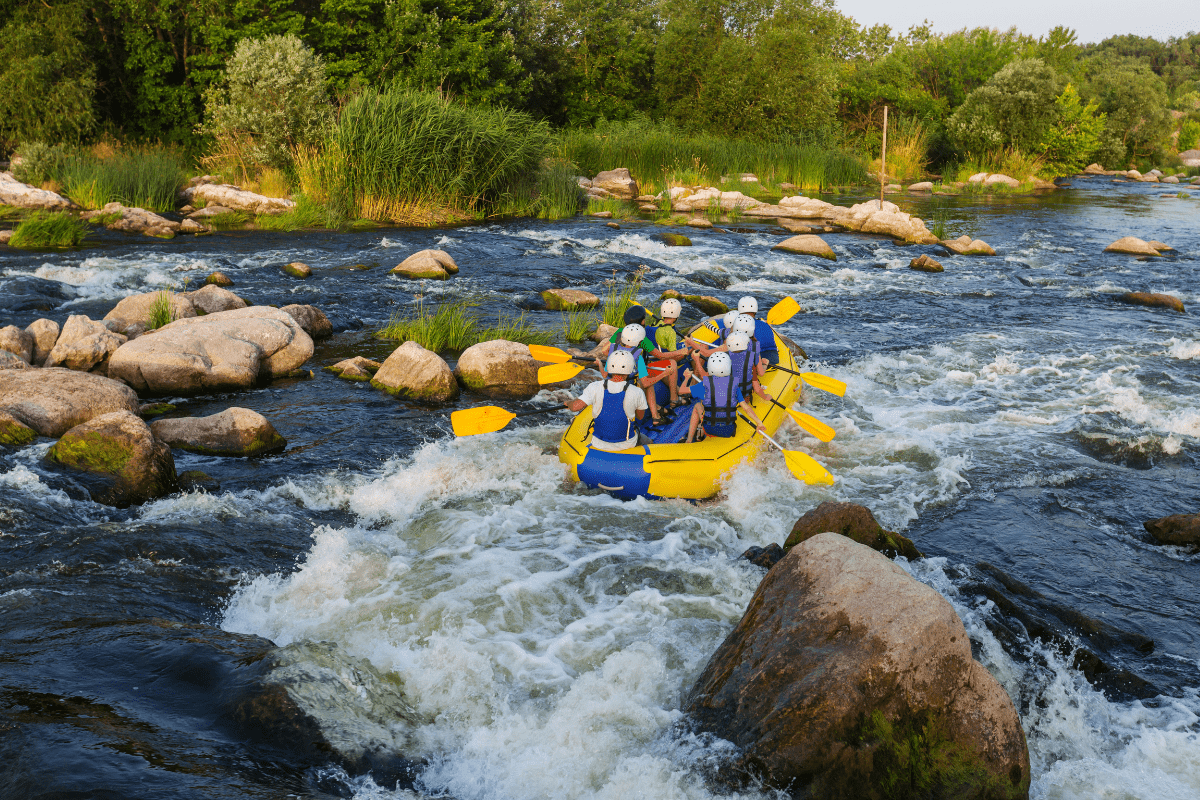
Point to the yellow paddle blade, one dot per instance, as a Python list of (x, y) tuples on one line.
[(782, 311), (813, 425), (541, 352), (485, 419), (558, 372), (806, 468), (824, 383)]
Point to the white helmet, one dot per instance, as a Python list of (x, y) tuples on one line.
[(720, 365), (729, 318), (738, 342), (748, 305), (744, 324), (632, 335), (620, 362), (670, 309)]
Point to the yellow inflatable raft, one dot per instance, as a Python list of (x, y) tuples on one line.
[(691, 471)]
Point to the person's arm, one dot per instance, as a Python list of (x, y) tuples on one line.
[(749, 411), (575, 405)]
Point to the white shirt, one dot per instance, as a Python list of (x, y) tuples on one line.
[(635, 400)]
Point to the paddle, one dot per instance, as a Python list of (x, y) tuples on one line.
[(809, 423), (782, 311), (489, 419), (802, 465), (816, 380), (541, 352), (555, 373)]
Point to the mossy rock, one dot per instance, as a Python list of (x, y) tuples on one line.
[(569, 300), (298, 270), (675, 240), (131, 466), (219, 279), (854, 522), (14, 433), (155, 409)]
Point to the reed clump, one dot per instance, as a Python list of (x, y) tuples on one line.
[(621, 295), (161, 312), (148, 178), (577, 325), (455, 326), (45, 229)]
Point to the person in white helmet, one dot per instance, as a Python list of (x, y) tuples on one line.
[(632, 339), (617, 404), (719, 398), (748, 368), (666, 341), (764, 333)]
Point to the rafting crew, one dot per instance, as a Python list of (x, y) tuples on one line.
[(617, 405), (763, 332), (667, 341), (719, 396)]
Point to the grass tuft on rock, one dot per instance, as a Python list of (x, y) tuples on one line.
[(455, 327), (620, 297), (161, 312), (44, 229)]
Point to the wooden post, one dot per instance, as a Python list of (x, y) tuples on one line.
[(883, 160)]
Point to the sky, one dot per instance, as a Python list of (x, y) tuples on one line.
[(1093, 20)]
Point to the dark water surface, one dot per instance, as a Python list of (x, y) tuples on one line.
[(1008, 415)]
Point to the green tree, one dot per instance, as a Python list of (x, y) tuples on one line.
[(1135, 100), (272, 100), (1013, 109), (1074, 137), (47, 82)]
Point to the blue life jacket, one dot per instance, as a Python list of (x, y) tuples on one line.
[(612, 424), (765, 335), (720, 402), (743, 368)]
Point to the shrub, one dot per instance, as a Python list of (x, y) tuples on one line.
[(1012, 110), (147, 178), (273, 100), (41, 162), (49, 229), (1072, 141), (1189, 135)]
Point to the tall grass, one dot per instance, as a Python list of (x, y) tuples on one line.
[(148, 178), (1010, 162), (659, 156), (161, 312), (618, 208), (907, 151), (48, 229), (455, 327), (621, 295), (576, 325), (403, 155), (559, 195)]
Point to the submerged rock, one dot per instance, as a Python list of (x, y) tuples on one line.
[(924, 263), (675, 240), (569, 299), (52, 401), (194, 480), (45, 335), (499, 368), (13, 432), (846, 675), (807, 245), (354, 369), (219, 279), (1178, 529), (227, 350), (311, 319), (118, 447), (854, 522), (1153, 300), (414, 372), (233, 432), (315, 698), (297, 269)]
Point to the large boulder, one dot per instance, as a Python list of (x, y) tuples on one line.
[(852, 521), (498, 368), (51, 401), (1131, 245), (217, 352), (1178, 529), (888, 219), (18, 342), (233, 432), (83, 344), (137, 308), (923, 263), (45, 335), (134, 220), (429, 264), (414, 372), (1190, 158), (13, 432), (617, 182), (311, 319), (847, 678), (684, 199), (231, 197), (119, 449), (212, 299), (807, 245), (22, 195), (999, 179), (569, 299)]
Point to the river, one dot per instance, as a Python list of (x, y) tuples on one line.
[(1008, 415)]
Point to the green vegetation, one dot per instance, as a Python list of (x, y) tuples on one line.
[(618, 208), (148, 178), (43, 229), (558, 194), (305, 214), (577, 325), (455, 326), (227, 221), (621, 295), (161, 312)]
